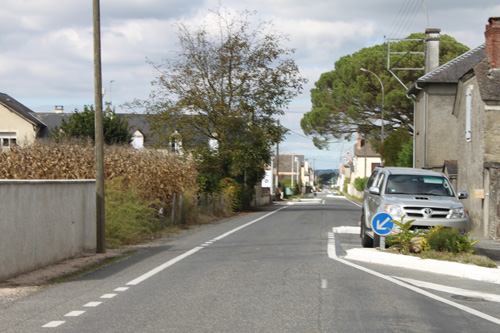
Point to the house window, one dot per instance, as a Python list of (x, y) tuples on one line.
[(468, 113), (8, 140)]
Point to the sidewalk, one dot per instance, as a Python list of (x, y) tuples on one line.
[(487, 247)]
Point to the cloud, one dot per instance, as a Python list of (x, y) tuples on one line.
[(46, 57)]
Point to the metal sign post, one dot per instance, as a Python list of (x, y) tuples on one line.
[(382, 225)]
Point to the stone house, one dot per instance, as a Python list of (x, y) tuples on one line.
[(477, 108), (289, 166), (18, 125), (21, 126), (364, 160), (457, 127)]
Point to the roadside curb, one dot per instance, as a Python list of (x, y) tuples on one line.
[(429, 265)]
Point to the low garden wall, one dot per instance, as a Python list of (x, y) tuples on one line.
[(43, 222)]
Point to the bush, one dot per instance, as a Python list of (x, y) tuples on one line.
[(236, 194), (360, 183), (346, 185), (405, 156), (448, 240), (402, 239), (129, 218)]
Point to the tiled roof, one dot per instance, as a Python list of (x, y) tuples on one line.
[(365, 150), (453, 70), (19, 109)]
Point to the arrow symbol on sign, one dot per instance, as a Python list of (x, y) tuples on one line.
[(381, 224)]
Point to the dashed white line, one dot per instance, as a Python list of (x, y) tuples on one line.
[(159, 269), (74, 313), (92, 304), (53, 324)]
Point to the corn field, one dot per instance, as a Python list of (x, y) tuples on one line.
[(158, 176), (146, 191)]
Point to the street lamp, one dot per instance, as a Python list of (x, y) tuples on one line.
[(383, 97)]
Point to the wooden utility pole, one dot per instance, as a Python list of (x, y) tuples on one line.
[(99, 133)]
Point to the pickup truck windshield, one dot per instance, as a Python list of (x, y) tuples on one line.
[(421, 185)]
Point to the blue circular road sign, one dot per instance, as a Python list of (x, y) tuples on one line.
[(382, 224)]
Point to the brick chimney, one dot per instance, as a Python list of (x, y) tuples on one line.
[(431, 49), (492, 35)]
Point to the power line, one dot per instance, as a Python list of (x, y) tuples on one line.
[(404, 19)]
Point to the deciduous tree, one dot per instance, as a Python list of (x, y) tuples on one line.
[(81, 125), (226, 84)]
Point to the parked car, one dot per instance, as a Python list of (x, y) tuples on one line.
[(422, 195)]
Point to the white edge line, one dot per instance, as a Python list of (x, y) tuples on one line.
[(247, 224), (158, 269), (169, 263), (451, 290), (333, 255)]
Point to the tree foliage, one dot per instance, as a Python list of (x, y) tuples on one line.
[(347, 100), (405, 155), (393, 144), (226, 84), (81, 125)]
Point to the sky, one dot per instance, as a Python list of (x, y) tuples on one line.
[(46, 46)]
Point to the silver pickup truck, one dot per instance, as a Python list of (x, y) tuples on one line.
[(425, 196)]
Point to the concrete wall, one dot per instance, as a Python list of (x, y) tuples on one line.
[(43, 222), (471, 153), (262, 197), (435, 126)]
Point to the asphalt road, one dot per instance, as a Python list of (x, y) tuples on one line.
[(277, 270)]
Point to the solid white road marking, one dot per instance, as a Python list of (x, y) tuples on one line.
[(158, 269), (53, 324), (333, 255), (74, 313), (452, 290), (169, 263), (324, 283), (92, 304), (347, 230)]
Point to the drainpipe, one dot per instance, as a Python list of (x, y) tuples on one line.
[(424, 130), (424, 135), (486, 203)]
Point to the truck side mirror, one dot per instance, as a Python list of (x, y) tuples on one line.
[(463, 194)]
